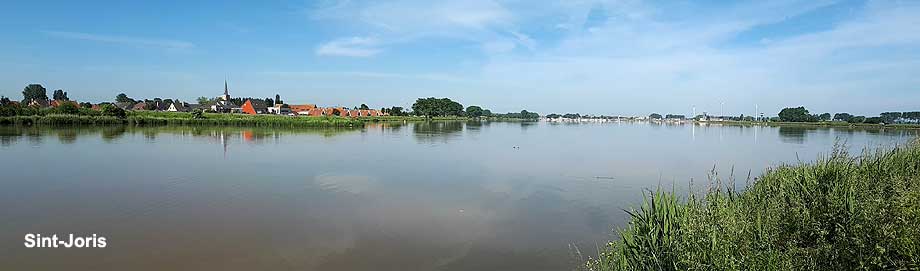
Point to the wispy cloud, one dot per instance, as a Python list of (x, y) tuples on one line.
[(132, 41), (400, 22), (350, 47)]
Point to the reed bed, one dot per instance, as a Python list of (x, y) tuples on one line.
[(840, 212)]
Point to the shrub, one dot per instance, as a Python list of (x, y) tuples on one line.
[(113, 111)]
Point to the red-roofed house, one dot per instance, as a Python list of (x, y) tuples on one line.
[(302, 109), (253, 107)]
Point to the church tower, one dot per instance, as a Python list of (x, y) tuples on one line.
[(226, 96)]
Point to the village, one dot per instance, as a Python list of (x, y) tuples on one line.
[(223, 104), (220, 104)]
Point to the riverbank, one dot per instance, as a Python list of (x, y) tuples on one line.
[(827, 124), (149, 118), (144, 118), (841, 212)]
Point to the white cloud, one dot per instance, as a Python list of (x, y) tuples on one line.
[(133, 41), (350, 47)]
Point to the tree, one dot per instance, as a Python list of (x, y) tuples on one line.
[(123, 98), (396, 111), (486, 113), (34, 92), (874, 120), (364, 107), (86, 105), (111, 110), (915, 115), (437, 107), (277, 100), (474, 111), (68, 108), (797, 114), (4, 100), (891, 117), (204, 100), (60, 95), (857, 119), (553, 116), (654, 116), (843, 117), (824, 117), (198, 114)]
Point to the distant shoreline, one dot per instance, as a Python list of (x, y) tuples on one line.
[(149, 118), (826, 124)]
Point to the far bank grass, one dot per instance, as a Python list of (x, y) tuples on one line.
[(841, 212)]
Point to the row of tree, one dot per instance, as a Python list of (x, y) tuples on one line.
[(800, 114), (445, 107)]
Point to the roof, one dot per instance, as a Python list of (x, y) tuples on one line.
[(258, 104), (302, 107), (139, 106), (56, 103)]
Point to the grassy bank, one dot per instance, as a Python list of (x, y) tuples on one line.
[(821, 124), (142, 118), (838, 213), (148, 118)]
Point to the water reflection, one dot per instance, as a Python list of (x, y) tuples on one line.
[(793, 134), (437, 131)]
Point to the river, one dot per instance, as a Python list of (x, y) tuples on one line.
[(393, 196)]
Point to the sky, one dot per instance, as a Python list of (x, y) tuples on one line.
[(626, 57)]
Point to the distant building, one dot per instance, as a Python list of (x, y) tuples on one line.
[(39, 103), (223, 105), (177, 107), (254, 107), (280, 109), (302, 109)]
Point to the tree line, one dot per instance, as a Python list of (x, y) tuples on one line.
[(800, 114), (445, 107)]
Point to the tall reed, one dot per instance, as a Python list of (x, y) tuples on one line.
[(841, 212)]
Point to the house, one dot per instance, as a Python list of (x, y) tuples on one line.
[(38, 103), (302, 109), (140, 106), (177, 107), (329, 111), (254, 107), (56, 103), (354, 113), (316, 112), (280, 109)]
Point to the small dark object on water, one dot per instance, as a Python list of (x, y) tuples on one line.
[(604, 177)]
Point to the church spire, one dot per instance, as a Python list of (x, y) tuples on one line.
[(226, 91)]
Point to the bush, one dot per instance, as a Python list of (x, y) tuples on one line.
[(67, 108), (113, 111)]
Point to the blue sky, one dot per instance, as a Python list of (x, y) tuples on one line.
[(597, 57)]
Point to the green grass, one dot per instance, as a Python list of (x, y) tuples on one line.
[(838, 213)]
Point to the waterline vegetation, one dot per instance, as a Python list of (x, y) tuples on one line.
[(838, 213)]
